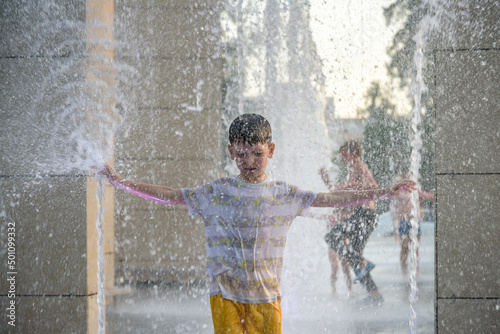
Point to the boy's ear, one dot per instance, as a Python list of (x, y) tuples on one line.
[(272, 146), (230, 149)]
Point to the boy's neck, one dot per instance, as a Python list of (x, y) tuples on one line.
[(260, 179)]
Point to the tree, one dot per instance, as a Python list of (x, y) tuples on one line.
[(386, 147), (401, 66)]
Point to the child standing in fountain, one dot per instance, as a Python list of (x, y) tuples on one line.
[(402, 213), (247, 218), (349, 237)]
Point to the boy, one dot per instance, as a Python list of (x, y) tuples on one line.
[(349, 237), (334, 258), (402, 213), (247, 219)]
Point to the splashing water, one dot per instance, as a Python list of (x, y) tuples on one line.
[(428, 23), (100, 256), (290, 94), (68, 117), (239, 47)]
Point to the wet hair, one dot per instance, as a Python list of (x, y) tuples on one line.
[(250, 129), (353, 147)]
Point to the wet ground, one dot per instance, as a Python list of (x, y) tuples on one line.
[(309, 304)]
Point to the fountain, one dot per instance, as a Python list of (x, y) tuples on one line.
[(137, 83)]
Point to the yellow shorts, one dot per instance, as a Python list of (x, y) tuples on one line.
[(230, 317)]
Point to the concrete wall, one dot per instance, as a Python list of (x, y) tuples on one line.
[(46, 206), (467, 167), (172, 134)]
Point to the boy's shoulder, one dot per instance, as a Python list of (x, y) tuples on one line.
[(224, 180), (235, 182)]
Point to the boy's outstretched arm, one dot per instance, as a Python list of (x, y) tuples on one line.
[(344, 198), (160, 194)]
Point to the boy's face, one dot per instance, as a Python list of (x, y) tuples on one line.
[(251, 160)]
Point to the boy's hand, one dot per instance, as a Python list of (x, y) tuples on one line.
[(108, 172), (403, 186)]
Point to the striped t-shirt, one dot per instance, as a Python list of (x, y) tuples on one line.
[(246, 227)]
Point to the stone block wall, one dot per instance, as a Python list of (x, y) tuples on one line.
[(172, 134), (467, 168), (42, 204)]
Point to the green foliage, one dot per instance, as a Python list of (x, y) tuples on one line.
[(403, 46), (386, 143), (401, 66), (387, 137)]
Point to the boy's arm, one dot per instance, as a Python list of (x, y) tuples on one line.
[(349, 185), (160, 194), (340, 199), (326, 178), (395, 219), (426, 195)]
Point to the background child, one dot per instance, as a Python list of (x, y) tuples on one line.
[(247, 219), (334, 219), (401, 212), (349, 237)]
